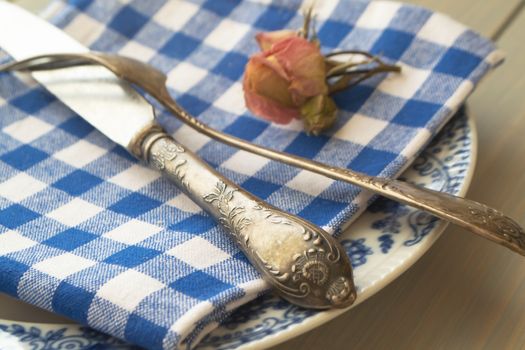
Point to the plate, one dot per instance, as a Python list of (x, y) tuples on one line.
[(383, 243)]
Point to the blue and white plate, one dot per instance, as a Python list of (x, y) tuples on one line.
[(384, 242)]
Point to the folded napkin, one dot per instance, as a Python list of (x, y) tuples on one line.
[(88, 232)]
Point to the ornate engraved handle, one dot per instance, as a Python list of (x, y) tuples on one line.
[(303, 263), (476, 217)]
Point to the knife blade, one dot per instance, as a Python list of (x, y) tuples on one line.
[(302, 262), (92, 92)]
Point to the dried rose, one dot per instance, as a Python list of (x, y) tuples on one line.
[(281, 79), (291, 79)]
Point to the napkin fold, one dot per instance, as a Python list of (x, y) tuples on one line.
[(88, 232)]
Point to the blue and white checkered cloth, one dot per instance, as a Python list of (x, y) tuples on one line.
[(87, 232)]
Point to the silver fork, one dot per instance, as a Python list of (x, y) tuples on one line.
[(473, 216)]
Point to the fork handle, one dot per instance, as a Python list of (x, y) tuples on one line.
[(474, 216), (303, 263)]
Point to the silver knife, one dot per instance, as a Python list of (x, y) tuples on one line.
[(302, 262)]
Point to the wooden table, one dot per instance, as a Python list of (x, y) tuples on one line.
[(465, 293)]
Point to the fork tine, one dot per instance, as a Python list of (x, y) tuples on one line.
[(28, 64), (45, 62)]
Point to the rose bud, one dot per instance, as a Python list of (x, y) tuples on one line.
[(278, 81), (318, 113)]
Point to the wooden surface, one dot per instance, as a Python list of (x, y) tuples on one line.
[(465, 293)]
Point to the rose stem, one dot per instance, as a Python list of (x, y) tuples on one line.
[(383, 67), (306, 23)]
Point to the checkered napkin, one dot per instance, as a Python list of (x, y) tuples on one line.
[(87, 232)]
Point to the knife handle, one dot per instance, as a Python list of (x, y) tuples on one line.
[(302, 262)]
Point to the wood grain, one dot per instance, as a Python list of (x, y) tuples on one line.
[(465, 293)]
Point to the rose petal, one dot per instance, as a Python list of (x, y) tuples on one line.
[(262, 78), (270, 62), (304, 66), (267, 39), (269, 109), (266, 93)]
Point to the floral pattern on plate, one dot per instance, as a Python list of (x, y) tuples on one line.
[(387, 239)]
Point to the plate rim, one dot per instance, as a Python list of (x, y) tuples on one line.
[(323, 317)]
